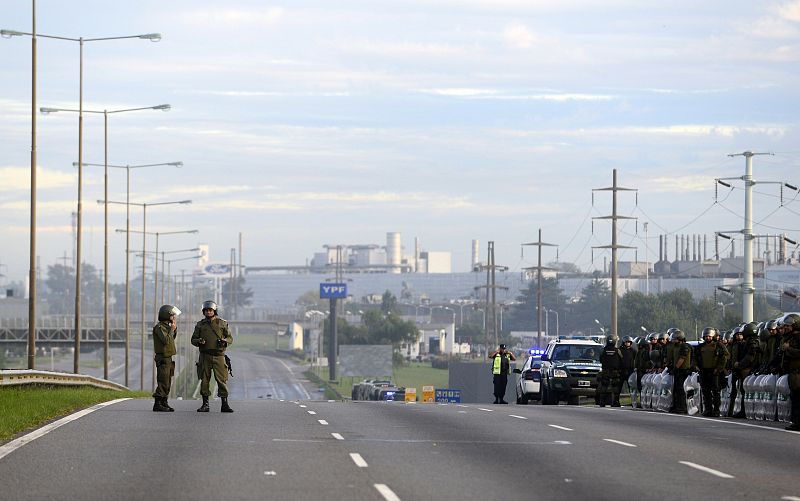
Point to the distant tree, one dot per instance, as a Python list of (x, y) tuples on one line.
[(310, 300), (523, 316)]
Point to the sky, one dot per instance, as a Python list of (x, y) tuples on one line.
[(307, 123)]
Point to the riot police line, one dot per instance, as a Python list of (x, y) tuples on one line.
[(750, 372)]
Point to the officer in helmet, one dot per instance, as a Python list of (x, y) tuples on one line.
[(628, 352), (711, 364), (642, 364), (790, 363), (682, 366), (164, 334), (770, 356), (747, 356), (611, 379), (212, 336)]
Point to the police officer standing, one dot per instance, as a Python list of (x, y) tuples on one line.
[(790, 355), (642, 365), (681, 368), (164, 334), (212, 336), (711, 362), (501, 366), (747, 358), (611, 379)]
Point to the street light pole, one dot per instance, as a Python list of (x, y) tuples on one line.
[(144, 265), (152, 37)]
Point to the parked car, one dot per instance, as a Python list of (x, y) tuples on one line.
[(529, 380)]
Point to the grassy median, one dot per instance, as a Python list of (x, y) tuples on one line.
[(23, 408)]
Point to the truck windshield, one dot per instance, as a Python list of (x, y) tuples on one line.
[(575, 352)]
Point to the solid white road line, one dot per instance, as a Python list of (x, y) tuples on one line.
[(303, 406), (706, 469), (337, 436), (311, 412), (487, 410), (386, 492), (626, 444), (10, 447), (560, 427), (791, 498), (518, 417), (358, 460), (322, 422)]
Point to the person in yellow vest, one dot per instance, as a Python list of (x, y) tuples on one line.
[(501, 366)]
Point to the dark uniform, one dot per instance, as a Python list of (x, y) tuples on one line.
[(790, 364), (611, 376), (212, 336), (681, 368), (501, 366), (711, 362), (642, 364), (628, 357), (164, 334)]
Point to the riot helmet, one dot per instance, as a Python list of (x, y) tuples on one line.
[(711, 332), (663, 336), (678, 335), (790, 320), (643, 341), (749, 330), (652, 337), (772, 325), (166, 311), (627, 339), (209, 305)]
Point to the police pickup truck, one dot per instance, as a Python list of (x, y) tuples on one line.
[(569, 370)]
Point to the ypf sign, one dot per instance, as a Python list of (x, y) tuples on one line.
[(332, 291)]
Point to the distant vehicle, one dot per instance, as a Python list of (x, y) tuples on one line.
[(529, 381), (569, 370)]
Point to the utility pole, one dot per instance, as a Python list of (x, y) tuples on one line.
[(748, 291), (539, 244), (491, 297), (646, 264), (614, 246)]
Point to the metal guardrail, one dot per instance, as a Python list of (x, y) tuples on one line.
[(28, 376)]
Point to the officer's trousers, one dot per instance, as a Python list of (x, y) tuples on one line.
[(500, 381), (216, 364), (165, 370), (709, 386)]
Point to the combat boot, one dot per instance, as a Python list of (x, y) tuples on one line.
[(165, 404), (204, 407), (225, 406), (158, 406)]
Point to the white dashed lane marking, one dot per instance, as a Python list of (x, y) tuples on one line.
[(518, 417), (626, 444), (311, 412), (386, 492), (358, 460), (337, 436), (322, 422), (706, 469), (560, 427), (487, 410)]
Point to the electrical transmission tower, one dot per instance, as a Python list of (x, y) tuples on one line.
[(539, 244), (490, 313), (614, 246), (748, 290)]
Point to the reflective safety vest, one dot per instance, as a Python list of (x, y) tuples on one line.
[(497, 365)]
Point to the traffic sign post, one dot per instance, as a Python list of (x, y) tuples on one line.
[(411, 394), (428, 395), (446, 395), (332, 292)]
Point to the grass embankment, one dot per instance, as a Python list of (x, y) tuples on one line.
[(413, 375), (26, 407)]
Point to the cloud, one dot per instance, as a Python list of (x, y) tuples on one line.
[(19, 178), (680, 184), (519, 36), (344, 201), (790, 11), (555, 96), (234, 17)]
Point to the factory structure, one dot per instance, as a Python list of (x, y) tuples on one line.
[(424, 276)]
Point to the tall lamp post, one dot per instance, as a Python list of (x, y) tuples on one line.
[(144, 207), (153, 37), (105, 113), (127, 236)]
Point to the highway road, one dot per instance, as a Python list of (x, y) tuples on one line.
[(305, 449)]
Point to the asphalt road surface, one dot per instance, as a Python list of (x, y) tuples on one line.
[(306, 449)]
